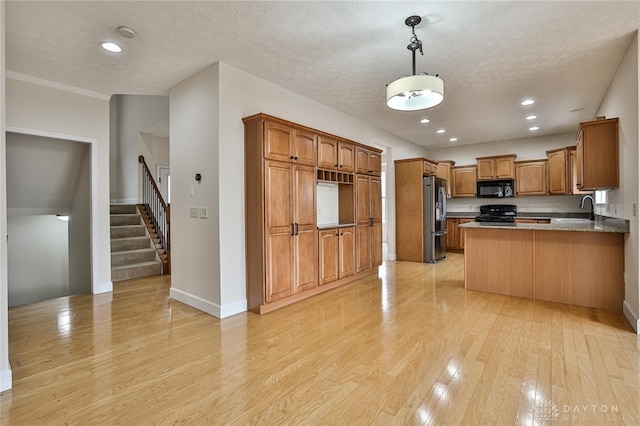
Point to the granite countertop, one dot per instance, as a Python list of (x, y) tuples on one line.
[(522, 215), (600, 225), (334, 225)]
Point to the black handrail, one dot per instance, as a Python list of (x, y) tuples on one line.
[(157, 209)]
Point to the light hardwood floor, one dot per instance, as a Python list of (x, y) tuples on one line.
[(410, 346)]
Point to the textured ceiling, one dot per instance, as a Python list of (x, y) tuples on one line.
[(490, 54)]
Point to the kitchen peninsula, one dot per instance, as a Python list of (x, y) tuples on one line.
[(573, 263)]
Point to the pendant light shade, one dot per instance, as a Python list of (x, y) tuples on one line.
[(417, 91)]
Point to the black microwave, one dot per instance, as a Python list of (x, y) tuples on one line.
[(495, 188)]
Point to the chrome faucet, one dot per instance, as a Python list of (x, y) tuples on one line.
[(592, 216)]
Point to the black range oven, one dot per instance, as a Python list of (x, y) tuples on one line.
[(504, 213)]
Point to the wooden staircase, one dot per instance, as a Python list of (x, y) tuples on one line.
[(133, 252)]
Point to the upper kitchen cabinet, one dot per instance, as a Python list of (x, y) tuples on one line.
[(496, 167), (464, 181), (531, 177), (285, 143), (368, 162), (597, 155), (443, 170), (559, 176), (327, 153), (346, 157), (429, 168)]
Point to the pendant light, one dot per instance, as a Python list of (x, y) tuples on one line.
[(416, 91)]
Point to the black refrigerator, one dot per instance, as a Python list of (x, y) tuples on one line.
[(434, 195)]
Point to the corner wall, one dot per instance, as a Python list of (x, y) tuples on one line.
[(80, 231), (5, 367), (621, 100)]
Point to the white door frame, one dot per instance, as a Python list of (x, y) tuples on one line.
[(96, 288)]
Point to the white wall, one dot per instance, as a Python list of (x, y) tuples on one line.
[(5, 368), (621, 101), (210, 273), (155, 150), (195, 243), (133, 114), (533, 148), (41, 240), (63, 112), (80, 231)]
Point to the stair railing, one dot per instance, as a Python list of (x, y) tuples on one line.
[(158, 212)]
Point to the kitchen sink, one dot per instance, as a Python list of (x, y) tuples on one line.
[(569, 220)]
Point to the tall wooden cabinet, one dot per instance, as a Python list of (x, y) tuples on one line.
[(368, 222), (286, 261)]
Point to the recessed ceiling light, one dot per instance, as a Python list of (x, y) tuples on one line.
[(111, 47), (424, 120), (440, 131), (527, 102), (534, 128), (453, 139), (531, 117)]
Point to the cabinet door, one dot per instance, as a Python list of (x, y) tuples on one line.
[(452, 233), (599, 154), (443, 170), (279, 266), (464, 181), (504, 168), (362, 161), (579, 182), (305, 254), (327, 153), (277, 142), (375, 198), (304, 202), (375, 164), (486, 169), (363, 201), (376, 243), (328, 255), (346, 157), (304, 147), (347, 251), (363, 244), (279, 229), (557, 172), (573, 173), (531, 178)]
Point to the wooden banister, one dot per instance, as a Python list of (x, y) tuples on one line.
[(157, 215)]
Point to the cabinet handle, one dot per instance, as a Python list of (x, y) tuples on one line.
[(295, 158), (293, 230), (337, 235), (291, 157), (340, 165), (341, 234), (335, 165), (296, 229)]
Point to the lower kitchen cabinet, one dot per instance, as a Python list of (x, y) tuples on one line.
[(336, 254), (455, 234)]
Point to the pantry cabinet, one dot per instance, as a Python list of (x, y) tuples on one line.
[(288, 258), (368, 162), (597, 155), (368, 222)]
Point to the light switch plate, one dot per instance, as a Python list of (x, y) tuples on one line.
[(193, 212), (204, 212)]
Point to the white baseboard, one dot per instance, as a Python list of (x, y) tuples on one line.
[(207, 306), (234, 308), (5, 380), (105, 287), (632, 317)]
